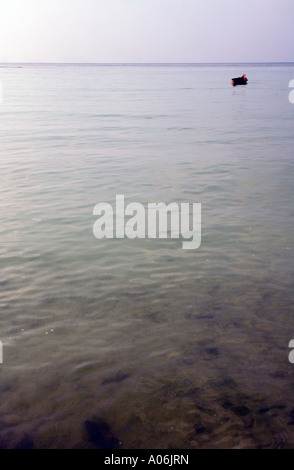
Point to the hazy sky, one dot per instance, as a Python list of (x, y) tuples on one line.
[(146, 30)]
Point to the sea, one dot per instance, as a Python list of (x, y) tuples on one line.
[(138, 343)]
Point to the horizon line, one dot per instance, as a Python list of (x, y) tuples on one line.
[(146, 63)]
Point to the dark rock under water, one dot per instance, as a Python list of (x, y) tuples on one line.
[(212, 351), (241, 410), (263, 411), (99, 434), (117, 379), (25, 444), (199, 429)]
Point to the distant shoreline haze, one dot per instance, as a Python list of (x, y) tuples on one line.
[(152, 64)]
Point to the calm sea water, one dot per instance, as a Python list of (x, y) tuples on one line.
[(172, 348)]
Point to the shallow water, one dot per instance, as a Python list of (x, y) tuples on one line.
[(172, 348)]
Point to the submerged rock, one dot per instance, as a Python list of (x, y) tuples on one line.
[(241, 410), (212, 351), (227, 405), (266, 410), (237, 410), (25, 444), (263, 411), (199, 429), (99, 434), (206, 410), (291, 415), (115, 380)]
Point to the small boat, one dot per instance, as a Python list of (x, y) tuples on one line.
[(240, 80)]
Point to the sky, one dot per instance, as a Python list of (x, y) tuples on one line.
[(146, 31)]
